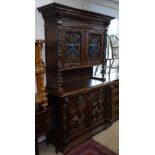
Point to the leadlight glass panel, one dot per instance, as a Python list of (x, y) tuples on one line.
[(72, 47), (94, 47)]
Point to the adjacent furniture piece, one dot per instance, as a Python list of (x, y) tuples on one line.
[(112, 56), (75, 41), (43, 125), (41, 94), (43, 119)]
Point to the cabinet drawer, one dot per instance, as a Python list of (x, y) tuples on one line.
[(43, 122)]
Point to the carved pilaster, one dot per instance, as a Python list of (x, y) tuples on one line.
[(104, 53), (40, 96), (66, 117), (59, 51)]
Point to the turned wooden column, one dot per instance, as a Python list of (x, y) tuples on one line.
[(59, 51), (106, 24), (40, 96)]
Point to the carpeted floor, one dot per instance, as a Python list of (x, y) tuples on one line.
[(108, 138)]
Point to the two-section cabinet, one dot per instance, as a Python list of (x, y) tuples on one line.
[(75, 41)]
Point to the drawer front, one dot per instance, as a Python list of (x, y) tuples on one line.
[(43, 122)]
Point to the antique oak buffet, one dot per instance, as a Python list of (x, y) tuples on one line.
[(75, 41)]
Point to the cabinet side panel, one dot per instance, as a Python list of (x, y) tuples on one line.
[(51, 47), (51, 78)]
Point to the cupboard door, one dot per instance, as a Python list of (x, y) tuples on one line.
[(97, 106), (76, 114), (73, 40), (94, 50)]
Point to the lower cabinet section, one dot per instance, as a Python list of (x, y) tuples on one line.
[(79, 116)]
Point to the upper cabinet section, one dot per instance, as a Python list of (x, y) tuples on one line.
[(74, 38)]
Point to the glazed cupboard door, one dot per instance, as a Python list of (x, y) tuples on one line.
[(94, 47), (73, 47)]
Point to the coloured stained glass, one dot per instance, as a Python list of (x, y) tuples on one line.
[(94, 47), (72, 47)]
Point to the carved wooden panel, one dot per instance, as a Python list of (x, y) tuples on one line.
[(76, 114), (83, 110), (97, 105)]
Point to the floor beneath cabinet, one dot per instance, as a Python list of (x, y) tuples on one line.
[(108, 138)]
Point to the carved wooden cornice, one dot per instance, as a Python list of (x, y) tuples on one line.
[(59, 10)]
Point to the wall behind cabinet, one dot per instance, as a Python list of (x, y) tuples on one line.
[(91, 5)]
